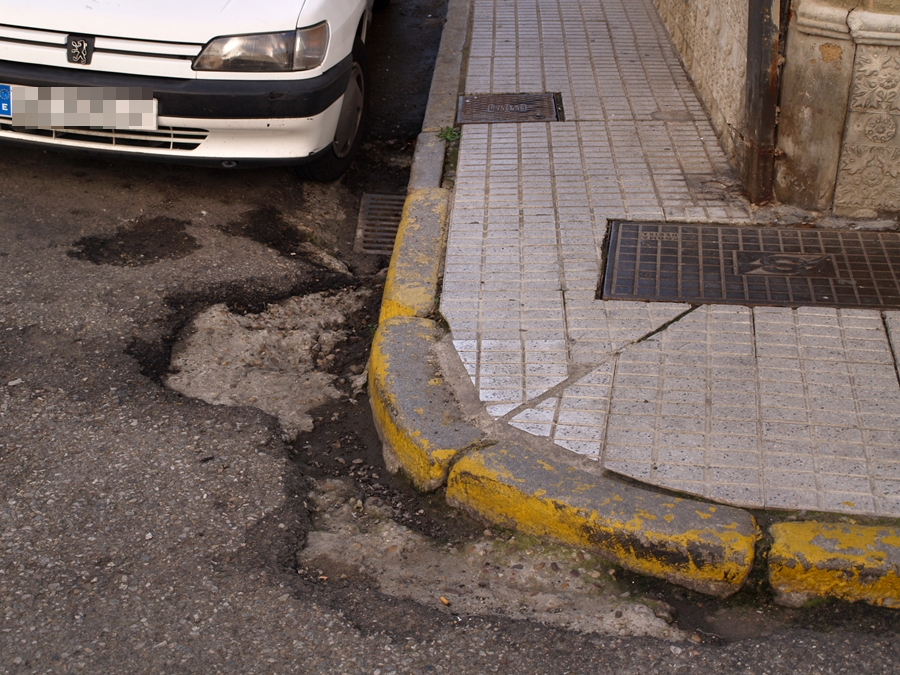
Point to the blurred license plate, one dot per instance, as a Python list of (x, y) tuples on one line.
[(80, 107)]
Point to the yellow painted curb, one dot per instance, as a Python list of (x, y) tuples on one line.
[(705, 547), (850, 562), (412, 280), (416, 416)]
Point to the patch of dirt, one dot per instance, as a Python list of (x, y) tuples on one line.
[(269, 227), (752, 614), (153, 352), (144, 242), (345, 444)]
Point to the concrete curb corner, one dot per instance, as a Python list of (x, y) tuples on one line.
[(418, 419)]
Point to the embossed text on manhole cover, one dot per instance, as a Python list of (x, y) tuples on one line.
[(711, 264), (488, 108)]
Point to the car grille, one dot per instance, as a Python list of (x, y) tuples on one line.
[(110, 45), (164, 138)]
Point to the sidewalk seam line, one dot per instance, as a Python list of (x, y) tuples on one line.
[(801, 362), (873, 485), (887, 331), (708, 409), (760, 446), (601, 457), (580, 371), (522, 313), (557, 390)]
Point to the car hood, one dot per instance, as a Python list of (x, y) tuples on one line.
[(195, 21)]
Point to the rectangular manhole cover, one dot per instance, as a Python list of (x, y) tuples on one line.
[(490, 108), (379, 220), (752, 265)]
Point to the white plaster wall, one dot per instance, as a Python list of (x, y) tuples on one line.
[(711, 36)]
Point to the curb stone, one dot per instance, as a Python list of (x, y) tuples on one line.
[(412, 281), (421, 427), (425, 432), (704, 547), (850, 562)]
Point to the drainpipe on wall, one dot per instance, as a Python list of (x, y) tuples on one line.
[(761, 99)]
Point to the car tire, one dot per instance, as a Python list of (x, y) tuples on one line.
[(380, 4), (332, 164)]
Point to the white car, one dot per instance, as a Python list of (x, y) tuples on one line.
[(218, 82)]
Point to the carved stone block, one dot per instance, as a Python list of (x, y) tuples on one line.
[(869, 174)]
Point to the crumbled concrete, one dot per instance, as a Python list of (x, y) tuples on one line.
[(275, 361), (517, 577)]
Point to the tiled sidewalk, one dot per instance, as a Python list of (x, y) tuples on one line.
[(769, 407)]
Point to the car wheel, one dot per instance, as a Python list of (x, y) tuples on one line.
[(348, 136)]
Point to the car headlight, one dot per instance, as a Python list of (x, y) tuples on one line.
[(300, 49)]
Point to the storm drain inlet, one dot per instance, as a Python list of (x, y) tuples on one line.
[(786, 267), (379, 220), (493, 108)]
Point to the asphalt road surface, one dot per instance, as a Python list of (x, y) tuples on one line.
[(145, 531)]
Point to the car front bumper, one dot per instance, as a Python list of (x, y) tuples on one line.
[(200, 121)]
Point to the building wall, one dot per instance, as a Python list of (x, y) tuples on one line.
[(711, 36), (838, 146)]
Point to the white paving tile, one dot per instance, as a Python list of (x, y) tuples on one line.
[(577, 419), (793, 425), (778, 407)]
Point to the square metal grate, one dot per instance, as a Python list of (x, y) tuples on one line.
[(491, 108), (706, 264), (379, 220)]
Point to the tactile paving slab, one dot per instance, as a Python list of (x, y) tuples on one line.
[(752, 265)]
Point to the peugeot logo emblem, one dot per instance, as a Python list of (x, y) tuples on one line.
[(79, 49)]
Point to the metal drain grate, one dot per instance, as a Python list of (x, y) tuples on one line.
[(379, 219), (752, 265), (490, 108)]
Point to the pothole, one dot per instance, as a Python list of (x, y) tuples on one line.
[(510, 575), (286, 360)]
